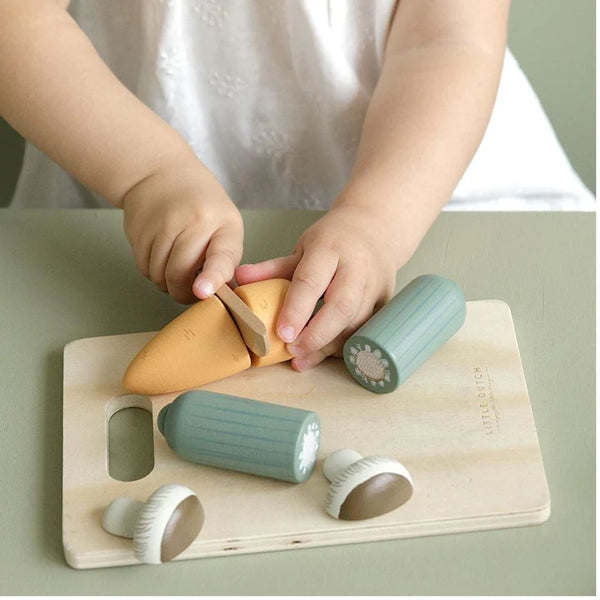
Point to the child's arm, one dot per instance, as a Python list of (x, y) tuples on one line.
[(59, 94), (426, 118)]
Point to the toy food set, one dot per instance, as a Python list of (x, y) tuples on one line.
[(424, 427)]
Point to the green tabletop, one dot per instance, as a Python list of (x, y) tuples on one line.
[(69, 274)]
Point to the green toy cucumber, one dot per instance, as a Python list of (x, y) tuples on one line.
[(242, 434), (403, 334)]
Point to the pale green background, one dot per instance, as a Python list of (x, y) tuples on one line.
[(554, 40), (69, 274)]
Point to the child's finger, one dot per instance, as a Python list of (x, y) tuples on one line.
[(335, 347), (157, 263), (309, 282), (142, 249), (223, 254), (309, 361), (281, 267), (185, 258), (343, 304)]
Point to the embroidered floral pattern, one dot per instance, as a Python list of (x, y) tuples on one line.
[(173, 60), (366, 39), (211, 12), (270, 143), (226, 85), (311, 199)]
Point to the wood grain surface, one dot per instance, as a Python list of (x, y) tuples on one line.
[(462, 425)]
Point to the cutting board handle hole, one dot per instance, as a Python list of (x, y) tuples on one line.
[(129, 437)]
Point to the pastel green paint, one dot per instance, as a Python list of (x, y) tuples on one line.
[(241, 434), (404, 333)]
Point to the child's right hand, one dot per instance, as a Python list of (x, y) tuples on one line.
[(179, 222)]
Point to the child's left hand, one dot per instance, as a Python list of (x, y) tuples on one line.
[(426, 118), (350, 257)]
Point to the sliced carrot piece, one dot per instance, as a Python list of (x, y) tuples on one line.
[(265, 299)]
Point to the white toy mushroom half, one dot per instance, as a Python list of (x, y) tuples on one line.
[(162, 527), (362, 488)]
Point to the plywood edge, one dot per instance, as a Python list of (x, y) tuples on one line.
[(333, 537), (87, 359)]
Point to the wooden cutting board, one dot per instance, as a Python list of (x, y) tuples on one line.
[(461, 424)]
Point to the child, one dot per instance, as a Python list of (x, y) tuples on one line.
[(182, 111)]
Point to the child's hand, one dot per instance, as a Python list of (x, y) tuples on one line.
[(178, 221), (350, 256)]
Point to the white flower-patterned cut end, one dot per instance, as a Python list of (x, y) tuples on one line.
[(309, 448), (370, 365)]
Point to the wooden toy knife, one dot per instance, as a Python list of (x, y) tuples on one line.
[(253, 330)]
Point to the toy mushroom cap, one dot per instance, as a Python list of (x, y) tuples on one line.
[(168, 524), (376, 496), (368, 488)]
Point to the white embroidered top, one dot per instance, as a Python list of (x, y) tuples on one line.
[(271, 95)]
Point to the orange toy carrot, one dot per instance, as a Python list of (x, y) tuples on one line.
[(201, 345)]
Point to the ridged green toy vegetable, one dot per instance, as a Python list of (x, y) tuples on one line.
[(242, 434)]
